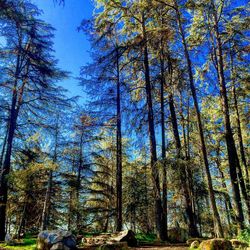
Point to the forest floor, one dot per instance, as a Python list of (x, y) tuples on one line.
[(161, 248)]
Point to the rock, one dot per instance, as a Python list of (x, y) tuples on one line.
[(216, 244), (177, 234), (114, 246), (191, 240), (59, 246), (9, 240), (56, 240), (239, 244), (195, 244), (125, 236)]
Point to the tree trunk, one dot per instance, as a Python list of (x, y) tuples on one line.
[(216, 218), (160, 216), (193, 231), (245, 190), (14, 110), (239, 134), (163, 143), (45, 213), (79, 177), (231, 215), (231, 149), (118, 149), (47, 202), (3, 148)]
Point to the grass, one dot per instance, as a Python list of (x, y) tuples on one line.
[(26, 244), (146, 238)]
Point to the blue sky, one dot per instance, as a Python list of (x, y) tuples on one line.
[(71, 47)]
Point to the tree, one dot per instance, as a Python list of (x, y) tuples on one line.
[(29, 47)]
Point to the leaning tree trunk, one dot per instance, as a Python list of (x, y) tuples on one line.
[(193, 231), (231, 149), (160, 216), (216, 218), (16, 103), (239, 133)]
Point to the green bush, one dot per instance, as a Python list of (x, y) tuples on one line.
[(149, 238), (245, 235)]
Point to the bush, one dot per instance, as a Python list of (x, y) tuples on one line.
[(245, 235), (147, 238)]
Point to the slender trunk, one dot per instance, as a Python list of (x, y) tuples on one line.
[(239, 134), (231, 215), (70, 210), (118, 149), (3, 148), (240, 141), (216, 218), (160, 216), (105, 228), (79, 177), (231, 149), (45, 214), (163, 143), (21, 224), (187, 168), (47, 202), (193, 231), (7, 158)]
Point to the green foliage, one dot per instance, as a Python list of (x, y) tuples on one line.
[(146, 238), (245, 235), (26, 244)]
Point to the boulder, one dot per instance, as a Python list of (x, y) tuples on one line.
[(9, 240), (191, 240), (195, 244), (56, 240), (239, 244), (125, 236), (105, 240), (59, 246), (216, 244), (177, 234)]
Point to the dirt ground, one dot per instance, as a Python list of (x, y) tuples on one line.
[(161, 248)]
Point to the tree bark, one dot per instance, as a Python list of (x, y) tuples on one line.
[(163, 140), (160, 218), (193, 231), (118, 148), (14, 110), (47, 202), (216, 218), (231, 149)]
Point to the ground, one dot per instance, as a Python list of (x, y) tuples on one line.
[(162, 248)]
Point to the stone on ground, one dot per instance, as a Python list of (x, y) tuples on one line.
[(56, 240), (216, 244), (239, 244), (125, 236), (195, 244), (191, 240)]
